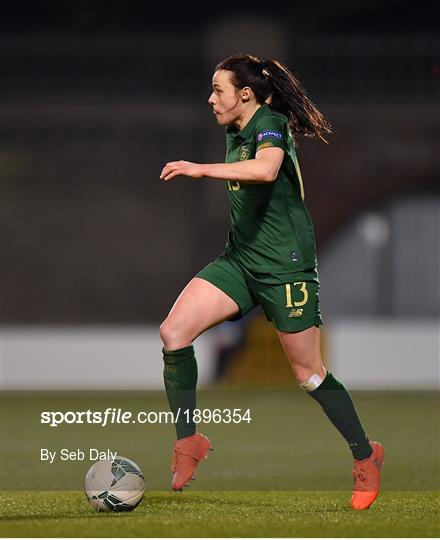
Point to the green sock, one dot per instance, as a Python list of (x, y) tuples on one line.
[(180, 377), (334, 398)]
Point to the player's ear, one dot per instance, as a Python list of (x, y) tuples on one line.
[(246, 94)]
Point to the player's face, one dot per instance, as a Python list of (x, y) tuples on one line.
[(224, 100)]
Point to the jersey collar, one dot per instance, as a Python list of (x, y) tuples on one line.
[(247, 130)]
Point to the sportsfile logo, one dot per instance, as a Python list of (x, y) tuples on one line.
[(269, 133), (113, 415)]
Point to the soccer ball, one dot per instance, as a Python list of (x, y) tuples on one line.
[(114, 486)]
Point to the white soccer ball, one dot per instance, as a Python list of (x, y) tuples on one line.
[(114, 486)]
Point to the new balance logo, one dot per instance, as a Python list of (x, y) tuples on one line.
[(295, 313)]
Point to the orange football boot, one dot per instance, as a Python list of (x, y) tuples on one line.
[(366, 475), (187, 454)]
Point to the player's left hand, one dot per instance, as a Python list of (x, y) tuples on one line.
[(181, 168)]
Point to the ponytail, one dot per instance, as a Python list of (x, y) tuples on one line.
[(274, 84), (289, 97)]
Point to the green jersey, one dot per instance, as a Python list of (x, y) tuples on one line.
[(271, 232)]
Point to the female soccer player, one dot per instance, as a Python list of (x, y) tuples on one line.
[(269, 259)]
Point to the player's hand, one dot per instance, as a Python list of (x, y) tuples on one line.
[(181, 168)]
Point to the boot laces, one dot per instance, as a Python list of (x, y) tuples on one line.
[(360, 474)]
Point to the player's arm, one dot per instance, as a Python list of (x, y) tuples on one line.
[(264, 168)]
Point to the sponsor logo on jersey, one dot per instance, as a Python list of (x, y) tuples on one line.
[(295, 312), (269, 133)]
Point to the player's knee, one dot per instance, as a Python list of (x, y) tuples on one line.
[(167, 333), (172, 335), (301, 375), (309, 378)]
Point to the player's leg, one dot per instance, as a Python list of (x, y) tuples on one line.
[(294, 310), (216, 294), (302, 348), (303, 351), (200, 306)]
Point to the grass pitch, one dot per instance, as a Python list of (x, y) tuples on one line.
[(224, 514), (285, 474)]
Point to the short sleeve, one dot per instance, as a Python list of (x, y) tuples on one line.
[(271, 130)]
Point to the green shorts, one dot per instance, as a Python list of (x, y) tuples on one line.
[(292, 307)]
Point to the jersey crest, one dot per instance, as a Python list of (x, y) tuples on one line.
[(244, 152)]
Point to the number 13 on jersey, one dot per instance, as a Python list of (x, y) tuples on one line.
[(303, 289)]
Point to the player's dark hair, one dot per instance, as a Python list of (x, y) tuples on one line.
[(273, 83)]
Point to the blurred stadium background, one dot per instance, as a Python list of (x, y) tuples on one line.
[(95, 248)]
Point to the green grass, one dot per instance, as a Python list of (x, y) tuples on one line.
[(223, 514), (287, 473)]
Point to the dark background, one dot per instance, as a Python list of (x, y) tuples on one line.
[(96, 96)]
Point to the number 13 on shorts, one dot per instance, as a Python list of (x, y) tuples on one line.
[(303, 290)]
